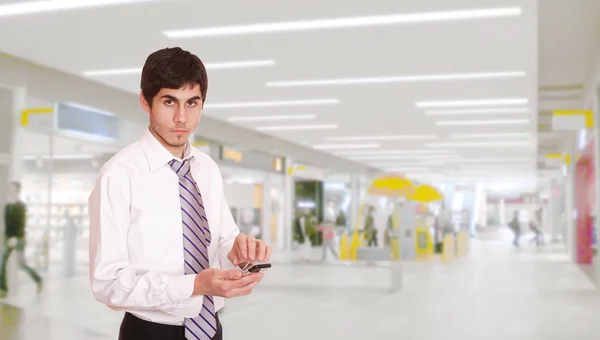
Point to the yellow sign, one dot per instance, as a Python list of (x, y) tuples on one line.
[(231, 154), (27, 112)]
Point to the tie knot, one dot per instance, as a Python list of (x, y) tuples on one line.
[(181, 168)]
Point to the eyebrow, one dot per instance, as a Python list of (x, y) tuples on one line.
[(168, 96)]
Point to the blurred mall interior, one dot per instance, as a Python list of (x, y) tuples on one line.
[(452, 144)]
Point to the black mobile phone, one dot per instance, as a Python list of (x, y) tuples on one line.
[(259, 267)]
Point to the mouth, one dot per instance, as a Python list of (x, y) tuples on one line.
[(179, 131)]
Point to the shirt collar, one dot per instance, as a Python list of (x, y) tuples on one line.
[(157, 155)]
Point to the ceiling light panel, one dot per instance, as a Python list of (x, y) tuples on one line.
[(472, 103), (399, 157), (490, 135), (477, 144), (33, 7), (476, 111), (382, 138), (483, 122), (270, 118), (345, 146), (209, 66), (281, 103), (394, 152), (297, 127), (396, 79), (337, 23)]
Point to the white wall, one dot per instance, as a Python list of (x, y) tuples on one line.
[(239, 195)]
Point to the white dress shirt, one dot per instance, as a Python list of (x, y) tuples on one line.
[(136, 236)]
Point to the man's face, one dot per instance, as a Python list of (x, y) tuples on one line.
[(174, 115)]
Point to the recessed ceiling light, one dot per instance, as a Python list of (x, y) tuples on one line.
[(307, 102), (394, 152), (270, 118), (297, 127), (396, 157), (476, 111), (476, 144), (398, 79), (382, 138), (490, 135), (471, 103), (495, 160), (289, 26), (209, 66), (484, 122), (345, 146), (31, 7), (408, 169)]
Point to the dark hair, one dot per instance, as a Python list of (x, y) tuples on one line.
[(172, 68), (17, 185)]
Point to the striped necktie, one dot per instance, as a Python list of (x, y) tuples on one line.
[(196, 239)]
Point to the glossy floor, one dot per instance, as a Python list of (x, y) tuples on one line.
[(496, 292)]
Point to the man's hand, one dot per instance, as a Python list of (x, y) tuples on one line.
[(227, 284), (248, 249), (12, 242)]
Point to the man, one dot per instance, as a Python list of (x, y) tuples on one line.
[(164, 247), (15, 219)]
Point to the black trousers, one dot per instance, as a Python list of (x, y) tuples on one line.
[(134, 328)]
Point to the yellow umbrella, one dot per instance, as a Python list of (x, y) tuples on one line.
[(392, 185), (425, 193)]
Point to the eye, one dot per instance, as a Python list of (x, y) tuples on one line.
[(169, 102), (192, 103)]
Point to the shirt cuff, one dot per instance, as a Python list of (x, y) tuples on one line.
[(181, 287)]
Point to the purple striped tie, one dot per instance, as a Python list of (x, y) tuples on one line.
[(196, 238)]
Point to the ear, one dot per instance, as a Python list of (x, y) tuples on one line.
[(144, 103)]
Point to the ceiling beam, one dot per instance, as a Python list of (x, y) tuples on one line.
[(57, 86)]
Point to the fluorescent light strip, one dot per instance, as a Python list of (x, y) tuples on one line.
[(381, 138), (307, 102), (471, 103), (398, 79), (475, 111), (345, 22), (394, 152), (297, 127), (476, 144), (483, 122), (270, 118), (407, 169), (31, 7), (209, 66), (397, 157), (345, 146), (490, 135), (495, 160)]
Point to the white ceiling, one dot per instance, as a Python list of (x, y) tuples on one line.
[(122, 37)]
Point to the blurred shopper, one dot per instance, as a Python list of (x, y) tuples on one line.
[(327, 228), (515, 225), (162, 234), (15, 220), (370, 229)]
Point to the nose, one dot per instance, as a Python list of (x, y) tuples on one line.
[(181, 114)]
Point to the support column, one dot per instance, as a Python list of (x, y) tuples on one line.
[(354, 200), (288, 206), (266, 210), (12, 101), (551, 218)]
